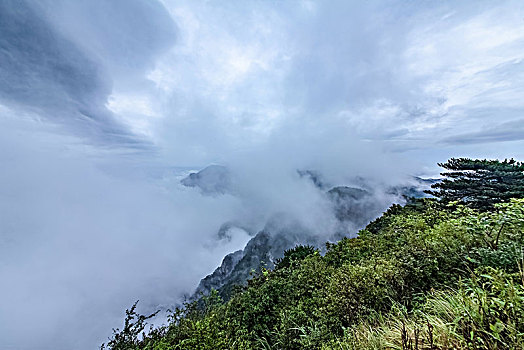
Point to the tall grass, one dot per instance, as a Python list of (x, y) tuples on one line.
[(485, 312)]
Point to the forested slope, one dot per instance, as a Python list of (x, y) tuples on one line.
[(426, 275)]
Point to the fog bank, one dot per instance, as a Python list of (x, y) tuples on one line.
[(106, 106)]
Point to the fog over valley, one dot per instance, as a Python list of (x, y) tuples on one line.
[(143, 141)]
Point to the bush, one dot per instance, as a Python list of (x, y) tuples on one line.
[(420, 277)]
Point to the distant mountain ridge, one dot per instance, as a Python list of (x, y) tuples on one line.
[(352, 207), (213, 179)]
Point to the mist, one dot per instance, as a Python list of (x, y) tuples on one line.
[(106, 106), (85, 234)]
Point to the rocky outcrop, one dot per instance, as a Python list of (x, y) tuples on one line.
[(212, 180), (262, 251), (221, 275), (352, 207), (237, 267)]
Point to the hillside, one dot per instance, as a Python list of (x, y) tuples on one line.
[(439, 277), (351, 208), (436, 273)]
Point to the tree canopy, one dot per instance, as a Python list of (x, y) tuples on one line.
[(480, 183)]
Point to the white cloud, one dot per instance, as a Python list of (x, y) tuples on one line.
[(137, 112), (264, 86)]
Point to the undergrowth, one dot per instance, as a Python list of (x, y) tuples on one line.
[(422, 276)]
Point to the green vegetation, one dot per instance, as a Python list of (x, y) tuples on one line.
[(480, 183), (422, 276)]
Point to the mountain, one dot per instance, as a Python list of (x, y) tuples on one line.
[(349, 204), (212, 180), (352, 207), (262, 251), (412, 275), (414, 189), (422, 261), (221, 276)]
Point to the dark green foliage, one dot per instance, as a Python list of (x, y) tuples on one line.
[(480, 183), (295, 255), (484, 312), (496, 305), (421, 276), (129, 336)]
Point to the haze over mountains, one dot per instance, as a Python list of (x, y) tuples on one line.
[(351, 207), (106, 105)]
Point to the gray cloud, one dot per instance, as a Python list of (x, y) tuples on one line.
[(373, 90), (509, 131), (78, 245), (49, 70), (379, 71)]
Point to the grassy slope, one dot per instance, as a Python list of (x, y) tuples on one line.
[(419, 277)]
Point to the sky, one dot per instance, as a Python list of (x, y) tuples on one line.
[(105, 105)]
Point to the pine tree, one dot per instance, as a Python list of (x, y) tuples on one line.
[(480, 183)]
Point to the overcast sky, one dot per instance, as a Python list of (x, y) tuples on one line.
[(103, 102)]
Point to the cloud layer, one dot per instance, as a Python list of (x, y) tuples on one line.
[(104, 104), (59, 62)]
